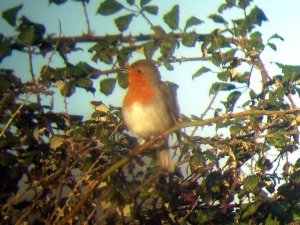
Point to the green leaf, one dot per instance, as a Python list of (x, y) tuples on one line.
[(123, 80), (5, 49), (217, 19), (292, 72), (244, 3), (190, 39), (232, 99), (123, 22), (144, 2), (130, 2), (295, 177), (276, 36), (67, 89), (257, 16), (272, 46), (109, 7), (57, 2), (7, 159), (30, 32), (107, 85), (152, 9), (220, 86), (10, 15), (172, 18), (224, 76), (149, 48), (251, 183), (250, 209), (168, 46), (84, 83), (201, 71), (192, 21)]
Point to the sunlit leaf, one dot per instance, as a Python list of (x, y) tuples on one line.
[(109, 7), (172, 17), (123, 22), (10, 15), (251, 183), (107, 85)]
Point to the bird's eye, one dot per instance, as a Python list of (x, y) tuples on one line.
[(139, 71)]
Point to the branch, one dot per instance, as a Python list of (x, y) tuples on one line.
[(140, 149)]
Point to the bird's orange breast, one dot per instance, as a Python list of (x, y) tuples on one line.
[(140, 90)]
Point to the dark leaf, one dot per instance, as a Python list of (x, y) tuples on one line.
[(152, 9), (7, 159), (232, 99), (168, 46), (244, 3), (172, 18), (219, 86), (5, 49), (144, 2), (250, 209), (57, 2), (123, 80), (201, 71), (295, 177), (109, 7), (123, 22), (149, 48), (218, 19), (107, 85), (276, 36), (130, 2), (10, 15), (192, 21), (30, 32), (257, 16), (84, 83), (272, 46)]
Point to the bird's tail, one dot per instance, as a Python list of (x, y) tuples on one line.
[(165, 161)]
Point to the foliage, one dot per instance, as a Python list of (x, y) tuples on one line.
[(58, 168)]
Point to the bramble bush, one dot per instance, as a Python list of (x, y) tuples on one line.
[(59, 168)]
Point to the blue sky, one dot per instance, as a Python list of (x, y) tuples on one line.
[(193, 95)]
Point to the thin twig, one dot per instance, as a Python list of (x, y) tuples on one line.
[(86, 17), (13, 116)]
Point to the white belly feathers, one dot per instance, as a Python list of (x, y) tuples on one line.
[(145, 120)]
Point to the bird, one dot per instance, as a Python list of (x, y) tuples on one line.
[(150, 107)]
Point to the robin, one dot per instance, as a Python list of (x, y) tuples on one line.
[(150, 107)]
